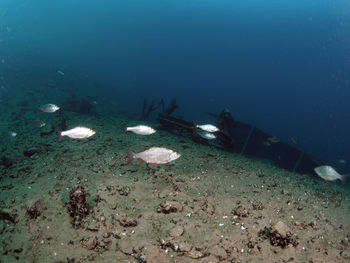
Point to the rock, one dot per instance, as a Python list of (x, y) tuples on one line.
[(218, 252), (240, 211), (257, 205), (169, 207), (195, 254), (92, 244), (127, 222), (279, 235), (34, 209), (210, 259), (177, 231), (280, 228)]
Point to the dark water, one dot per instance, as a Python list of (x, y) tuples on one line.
[(282, 65)]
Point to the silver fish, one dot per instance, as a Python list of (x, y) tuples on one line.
[(78, 133), (37, 123), (208, 127), (328, 173), (273, 139), (11, 134), (154, 155), (49, 108), (207, 135), (60, 72), (140, 129)]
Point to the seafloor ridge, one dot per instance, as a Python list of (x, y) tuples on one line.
[(207, 206)]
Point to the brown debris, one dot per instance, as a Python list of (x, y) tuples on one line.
[(78, 207)]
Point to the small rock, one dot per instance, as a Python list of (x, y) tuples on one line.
[(127, 222), (92, 244), (195, 254), (169, 207), (177, 231)]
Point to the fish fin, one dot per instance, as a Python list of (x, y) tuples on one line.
[(147, 147), (130, 157), (343, 180), (125, 129), (141, 161)]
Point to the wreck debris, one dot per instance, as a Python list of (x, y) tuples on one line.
[(152, 107), (78, 207), (172, 106)]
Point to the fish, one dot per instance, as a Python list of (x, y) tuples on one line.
[(77, 133), (294, 139), (342, 161), (37, 123), (49, 108), (273, 139), (207, 135), (266, 143), (328, 173), (140, 129), (60, 72), (208, 127), (154, 155), (11, 134)]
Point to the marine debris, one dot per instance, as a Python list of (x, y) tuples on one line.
[(172, 106), (78, 209), (146, 111)]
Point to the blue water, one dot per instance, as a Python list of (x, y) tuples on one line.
[(281, 65)]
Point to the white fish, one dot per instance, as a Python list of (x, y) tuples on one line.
[(266, 143), (208, 127), (11, 134), (140, 129), (328, 173), (207, 135), (49, 108), (273, 139), (78, 133), (60, 72), (154, 155), (37, 123)]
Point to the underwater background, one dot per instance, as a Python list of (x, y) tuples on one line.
[(280, 65), (91, 70)]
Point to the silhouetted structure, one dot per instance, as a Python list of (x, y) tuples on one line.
[(245, 139), (146, 111)]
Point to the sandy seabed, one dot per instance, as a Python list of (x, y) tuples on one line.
[(207, 206)]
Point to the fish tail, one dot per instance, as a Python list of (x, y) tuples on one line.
[(59, 134), (125, 129), (130, 157)]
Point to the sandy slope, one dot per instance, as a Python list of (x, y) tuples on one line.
[(207, 206)]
